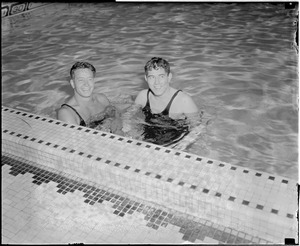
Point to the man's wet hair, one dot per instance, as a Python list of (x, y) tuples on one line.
[(79, 65), (156, 63)]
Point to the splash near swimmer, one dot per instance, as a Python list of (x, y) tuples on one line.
[(158, 129)]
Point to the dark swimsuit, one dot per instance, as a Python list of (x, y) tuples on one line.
[(94, 121), (82, 122), (163, 130)]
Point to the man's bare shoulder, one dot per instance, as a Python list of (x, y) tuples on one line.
[(186, 103), (65, 114), (142, 97), (184, 96)]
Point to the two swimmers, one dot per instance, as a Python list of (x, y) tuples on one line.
[(168, 113)]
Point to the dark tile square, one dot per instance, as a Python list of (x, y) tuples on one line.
[(211, 232), (218, 235), (152, 220), (202, 233), (231, 198), (161, 217), (245, 202), (155, 226), (239, 240), (149, 224), (218, 194), (164, 224), (231, 239)]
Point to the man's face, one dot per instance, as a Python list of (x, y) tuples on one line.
[(83, 82), (158, 81)]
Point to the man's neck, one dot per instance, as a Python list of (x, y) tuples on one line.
[(164, 96)]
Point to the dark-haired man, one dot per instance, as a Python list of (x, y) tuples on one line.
[(169, 113)]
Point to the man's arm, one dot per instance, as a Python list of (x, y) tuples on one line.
[(193, 118), (138, 104), (190, 110)]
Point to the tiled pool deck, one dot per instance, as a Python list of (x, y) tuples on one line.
[(63, 183)]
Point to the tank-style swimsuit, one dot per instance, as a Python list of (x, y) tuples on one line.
[(163, 130), (94, 121), (82, 122)]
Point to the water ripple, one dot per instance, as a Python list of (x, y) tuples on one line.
[(236, 60)]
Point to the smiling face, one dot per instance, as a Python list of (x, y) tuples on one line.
[(83, 82), (158, 80)]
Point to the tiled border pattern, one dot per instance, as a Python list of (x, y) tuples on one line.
[(101, 160), (17, 8), (191, 227), (122, 168)]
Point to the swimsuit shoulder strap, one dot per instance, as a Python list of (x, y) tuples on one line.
[(166, 110), (82, 122), (148, 103)]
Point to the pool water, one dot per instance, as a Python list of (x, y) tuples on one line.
[(237, 61)]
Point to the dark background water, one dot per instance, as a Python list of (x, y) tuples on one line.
[(236, 60)]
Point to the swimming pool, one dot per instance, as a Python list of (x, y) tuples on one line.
[(236, 60)]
